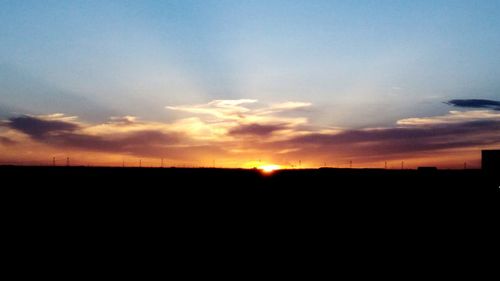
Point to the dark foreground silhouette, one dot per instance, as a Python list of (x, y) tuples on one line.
[(99, 207), (234, 186)]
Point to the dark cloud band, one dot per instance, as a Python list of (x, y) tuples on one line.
[(476, 103), (66, 134)]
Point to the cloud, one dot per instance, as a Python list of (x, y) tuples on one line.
[(386, 143), (235, 109), (476, 103), (245, 129), (42, 126), (223, 109), (125, 120), (434, 134), (235, 118), (281, 107), (65, 132), (139, 143), (452, 117), (221, 128), (391, 135), (256, 129), (6, 141)]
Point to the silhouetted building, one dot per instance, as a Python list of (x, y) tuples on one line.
[(490, 160)]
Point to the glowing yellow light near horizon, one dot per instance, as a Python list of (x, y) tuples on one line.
[(269, 168)]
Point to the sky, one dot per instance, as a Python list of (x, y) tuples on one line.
[(247, 83)]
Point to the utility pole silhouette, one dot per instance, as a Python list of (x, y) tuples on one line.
[(67, 161), (465, 165), (123, 163), (350, 164), (300, 164), (402, 165), (385, 165), (53, 161), (140, 163)]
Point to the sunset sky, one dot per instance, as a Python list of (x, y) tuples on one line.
[(249, 83)]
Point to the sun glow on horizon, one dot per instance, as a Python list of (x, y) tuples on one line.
[(269, 168)]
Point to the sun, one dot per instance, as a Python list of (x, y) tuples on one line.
[(269, 168)]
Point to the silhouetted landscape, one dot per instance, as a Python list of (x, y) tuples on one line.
[(180, 207), (325, 186)]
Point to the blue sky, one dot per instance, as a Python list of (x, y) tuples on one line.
[(128, 57), (245, 80)]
